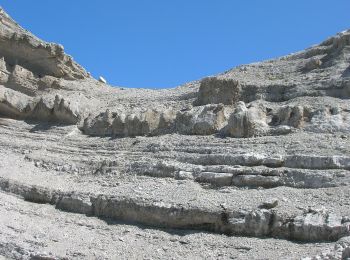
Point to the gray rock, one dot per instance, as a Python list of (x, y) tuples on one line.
[(312, 64), (215, 91), (15, 43), (247, 122), (250, 159), (269, 204)]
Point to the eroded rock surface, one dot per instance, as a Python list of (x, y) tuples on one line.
[(233, 165), (20, 47)]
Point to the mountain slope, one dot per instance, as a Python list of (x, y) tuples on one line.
[(259, 154)]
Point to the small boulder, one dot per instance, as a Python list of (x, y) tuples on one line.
[(312, 64), (269, 204)]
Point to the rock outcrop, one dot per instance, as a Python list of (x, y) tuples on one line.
[(246, 122), (19, 106), (258, 156), (19, 47), (215, 91), (137, 123)]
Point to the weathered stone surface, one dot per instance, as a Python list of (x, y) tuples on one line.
[(312, 64), (247, 122), (215, 91), (137, 123), (311, 226), (317, 224), (42, 59), (4, 74), (260, 151), (121, 239), (204, 120), (292, 116), (75, 203), (23, 80), (14, 104), (269, 204)]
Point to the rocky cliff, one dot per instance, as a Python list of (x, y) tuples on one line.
[(233, 165)]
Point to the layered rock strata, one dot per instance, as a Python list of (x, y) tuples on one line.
[(259, 153)]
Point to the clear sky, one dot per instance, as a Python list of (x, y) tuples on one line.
[(160, 43)]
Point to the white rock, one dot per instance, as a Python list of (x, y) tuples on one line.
[(102, 79)]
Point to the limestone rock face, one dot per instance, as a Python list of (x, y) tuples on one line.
[(292, 116), (252, 163), (4, 74), (247, 122), (13, 104), (328, 120), (204, 120), (216, 91), (64, 111), (23, 81), (19, 47), (16, 105), (312, 64), (122, 123)]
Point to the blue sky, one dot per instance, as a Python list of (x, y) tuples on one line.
[(159, 43)]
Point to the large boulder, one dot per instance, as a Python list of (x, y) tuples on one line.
[(247, 122), (100, 125), (13, 104), (215, 91), (149, 122), (203, 120), (312, 63), (141, 123), (290, 115)]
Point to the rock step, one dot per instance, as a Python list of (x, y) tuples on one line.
[(301, 161), (261, 222), (216, 175), (179, 244), (241, 176)]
